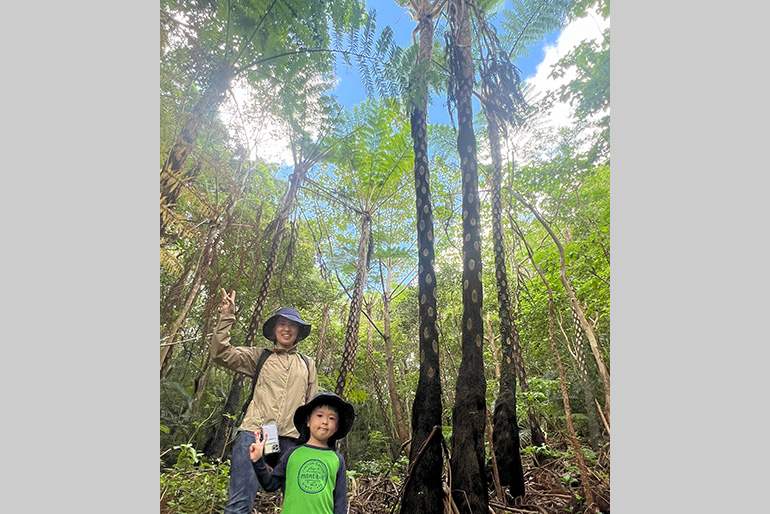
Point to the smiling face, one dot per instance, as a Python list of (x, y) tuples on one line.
[(286, 332), (322, 424)]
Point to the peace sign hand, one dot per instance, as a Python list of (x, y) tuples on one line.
[(257, 448), (228, 302)]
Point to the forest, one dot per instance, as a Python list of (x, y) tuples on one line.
[(456, 275)]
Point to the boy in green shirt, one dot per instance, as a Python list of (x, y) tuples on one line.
[(313, 473)]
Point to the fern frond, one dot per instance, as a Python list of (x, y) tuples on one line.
[(170, 263), (527, 22)]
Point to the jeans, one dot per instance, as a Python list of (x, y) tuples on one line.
[(243, 479)]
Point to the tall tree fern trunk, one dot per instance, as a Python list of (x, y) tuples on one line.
[(469, 481), (505, 432), (423, 493)]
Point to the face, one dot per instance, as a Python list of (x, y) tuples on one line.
[(286, 332), (322, 424)]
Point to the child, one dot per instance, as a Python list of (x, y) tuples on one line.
[(312, 474)]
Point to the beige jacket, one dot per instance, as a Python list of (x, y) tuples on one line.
[(284, 382)]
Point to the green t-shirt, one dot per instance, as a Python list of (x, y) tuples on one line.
[(313, 479)]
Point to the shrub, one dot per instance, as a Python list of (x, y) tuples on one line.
[(192, 485)]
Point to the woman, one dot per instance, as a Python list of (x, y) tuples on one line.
[(286, 381)]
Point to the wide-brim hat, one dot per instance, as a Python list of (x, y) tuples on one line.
[(345, 415), (268, 329)]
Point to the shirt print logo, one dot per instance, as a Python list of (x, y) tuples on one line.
[(312, 476)]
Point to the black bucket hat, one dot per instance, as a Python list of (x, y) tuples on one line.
[(268, 329), (345, 413)]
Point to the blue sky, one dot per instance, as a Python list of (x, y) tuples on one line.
[(535, 69), (350, 90)]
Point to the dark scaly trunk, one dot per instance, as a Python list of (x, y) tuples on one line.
[(172, 174), (423, 492), (354, 315), (505, 432), (280, 229), (469, 481)]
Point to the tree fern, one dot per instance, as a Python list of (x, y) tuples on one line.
[(526, 22)]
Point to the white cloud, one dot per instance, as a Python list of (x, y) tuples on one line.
[(267, 143), (587, 28)]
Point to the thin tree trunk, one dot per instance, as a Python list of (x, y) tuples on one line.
[(395, 400), (584, 475), (603, 371), (174, 296), (490, 336), (199, 383), (536, 433), (354, 314), (469, 480), (320, 353), (387, 422)]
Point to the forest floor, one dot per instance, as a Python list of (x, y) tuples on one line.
[(551, 487)]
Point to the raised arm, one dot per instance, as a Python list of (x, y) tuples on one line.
[(242, 359)]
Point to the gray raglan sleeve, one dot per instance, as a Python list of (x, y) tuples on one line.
[(341, 488), (275, 480)]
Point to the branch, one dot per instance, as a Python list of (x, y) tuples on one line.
[(254, 33), (307, 51)]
